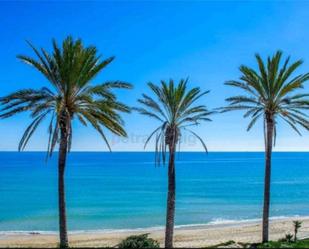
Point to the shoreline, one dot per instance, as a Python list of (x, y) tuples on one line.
[(185, 236), (212, 224)]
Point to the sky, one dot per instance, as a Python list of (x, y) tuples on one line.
[(152, 41)]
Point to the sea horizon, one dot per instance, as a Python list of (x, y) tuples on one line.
[(151, 151)]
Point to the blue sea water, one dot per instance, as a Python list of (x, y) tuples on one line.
[(127, 191)]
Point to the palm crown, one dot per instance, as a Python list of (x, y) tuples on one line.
[(174, 107), (270, 93), (70, 70)]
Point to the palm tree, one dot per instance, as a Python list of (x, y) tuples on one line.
[(297, 226), (70, 70), (174, 107), (270, 94)]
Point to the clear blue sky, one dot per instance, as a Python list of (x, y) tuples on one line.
[(206, 41)]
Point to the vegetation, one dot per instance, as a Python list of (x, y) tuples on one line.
[(69, 70), (297, 226), (288, 238), (271, 93), (283, 243), (175, 108), (139, 241)]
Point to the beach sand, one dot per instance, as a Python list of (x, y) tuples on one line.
[(191, 236)]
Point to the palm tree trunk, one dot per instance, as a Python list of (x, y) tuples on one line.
[(170, 209), (268, 151), (61, 189)]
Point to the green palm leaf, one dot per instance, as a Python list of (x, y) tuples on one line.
[(70, 68), (173, 107), (270, 90)]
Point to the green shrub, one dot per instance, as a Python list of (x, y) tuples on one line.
[(289, 238), (139, 241)]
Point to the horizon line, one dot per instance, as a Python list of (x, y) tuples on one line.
[(142, 151)]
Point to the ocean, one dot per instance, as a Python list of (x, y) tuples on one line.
[(125, 190)]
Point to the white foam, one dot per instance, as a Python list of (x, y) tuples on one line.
[(214, 222)]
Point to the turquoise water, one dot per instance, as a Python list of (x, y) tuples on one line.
[(126, 190)]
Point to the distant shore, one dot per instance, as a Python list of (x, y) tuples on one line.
[(185, 236)]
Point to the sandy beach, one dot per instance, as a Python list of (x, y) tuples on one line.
[(193, 236)]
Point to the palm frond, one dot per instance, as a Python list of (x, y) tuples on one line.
[(270, 92), (175, 107), (70, 69)]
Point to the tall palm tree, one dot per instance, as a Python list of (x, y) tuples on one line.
[(69, 69), (271, 93), (174, 106)]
